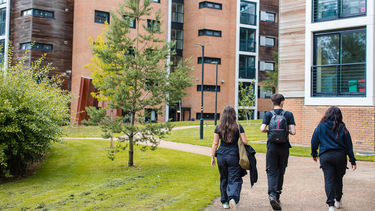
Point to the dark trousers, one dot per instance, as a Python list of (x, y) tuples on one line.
[(230, 177), (276, 163), (333, 164)]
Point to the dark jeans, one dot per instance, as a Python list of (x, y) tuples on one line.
[(230, 177), (333, 164), (276, 163)]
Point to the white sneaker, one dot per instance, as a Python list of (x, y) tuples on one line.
[(226, 205), (331, 208), (337, 204), (232, 205)]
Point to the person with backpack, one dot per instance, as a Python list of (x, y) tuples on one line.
[(228, 157), (280, 124), (334, 143)]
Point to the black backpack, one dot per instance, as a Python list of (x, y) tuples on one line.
[(278, 128)]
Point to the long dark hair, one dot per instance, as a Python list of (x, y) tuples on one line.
[(334, 114), (228, 125)]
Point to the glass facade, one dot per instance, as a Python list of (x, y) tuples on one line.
[(177, 12), (248, 13), (247, 67), (247, 39), (339, 63), (3, 21), (325, 10), (177, 35)]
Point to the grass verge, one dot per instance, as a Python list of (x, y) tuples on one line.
[(78, 176)]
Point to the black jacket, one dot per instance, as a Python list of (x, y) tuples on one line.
[(253, 165)]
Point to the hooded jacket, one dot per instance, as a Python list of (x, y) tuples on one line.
[(325, 139)]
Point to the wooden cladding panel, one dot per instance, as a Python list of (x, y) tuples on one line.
[(57, 31), (292, 48)]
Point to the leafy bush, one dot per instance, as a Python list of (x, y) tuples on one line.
[(32, 109)]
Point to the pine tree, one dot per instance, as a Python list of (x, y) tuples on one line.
[(131, 72)]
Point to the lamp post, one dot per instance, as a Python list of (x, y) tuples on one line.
[(217, 67), (69, 76), (201, 120)]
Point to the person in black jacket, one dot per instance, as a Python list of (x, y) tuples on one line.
[(334, 143), (228, 157)]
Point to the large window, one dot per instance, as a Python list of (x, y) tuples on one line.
[(266, 66), (177, 35), (247, 39), (339, 63), (247, 67), (101, 17), (3, 17), (324, 10), (248, 13), (267, 41), (177, 12), (267, 16)]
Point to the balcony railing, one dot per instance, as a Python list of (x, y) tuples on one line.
[(339, 80)]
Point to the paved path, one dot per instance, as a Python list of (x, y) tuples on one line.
[(303, 185)]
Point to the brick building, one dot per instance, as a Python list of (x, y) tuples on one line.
[(326, 57), (229, 31)]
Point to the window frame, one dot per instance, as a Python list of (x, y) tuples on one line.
[(156, 1), (255, 14), (208, 88), (265, 41), (266, 62), (104, 12), (267, 20), (33, 11), (151, 22), (338, 80), (218, 60), (31, 46)]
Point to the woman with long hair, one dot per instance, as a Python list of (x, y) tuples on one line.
[(228, 132), (334, 143)]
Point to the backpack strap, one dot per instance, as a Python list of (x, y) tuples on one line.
[(273, 113), (283, 112)]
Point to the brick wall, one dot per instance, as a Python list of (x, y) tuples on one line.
[(264, 104), (358, 120)]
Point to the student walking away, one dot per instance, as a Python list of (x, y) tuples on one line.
[(334, 143), (228, 132), (280, 124)]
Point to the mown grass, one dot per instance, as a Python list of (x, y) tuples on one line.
[(191, 136), (77, 175)]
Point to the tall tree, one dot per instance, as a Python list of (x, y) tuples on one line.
[(131, 71)]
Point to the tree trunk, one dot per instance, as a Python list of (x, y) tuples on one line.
[(131, 136)]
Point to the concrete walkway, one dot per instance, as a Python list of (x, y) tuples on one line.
[(303, 185)]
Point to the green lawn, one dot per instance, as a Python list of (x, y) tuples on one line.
[(78, 176), (191, 136)]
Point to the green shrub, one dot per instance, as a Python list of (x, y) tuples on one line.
[(32, 110)]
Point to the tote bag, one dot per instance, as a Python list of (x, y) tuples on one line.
[(244, 160)]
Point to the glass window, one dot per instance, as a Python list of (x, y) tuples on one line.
[(247, 39), (101, 17), (208, 32), (151, 115), (267, 16), (178, 12), (209, 60), (153, 25), (177, 35), (208, 88), (353, 8), (324, 10), (156, 1), (3, 16), (132, 22), (266, 66), (248, 13), (38, 13), (247, 67), (2, 50), (206, 4), (36, 46), (3, 1), (267, 41), (339, 63)]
